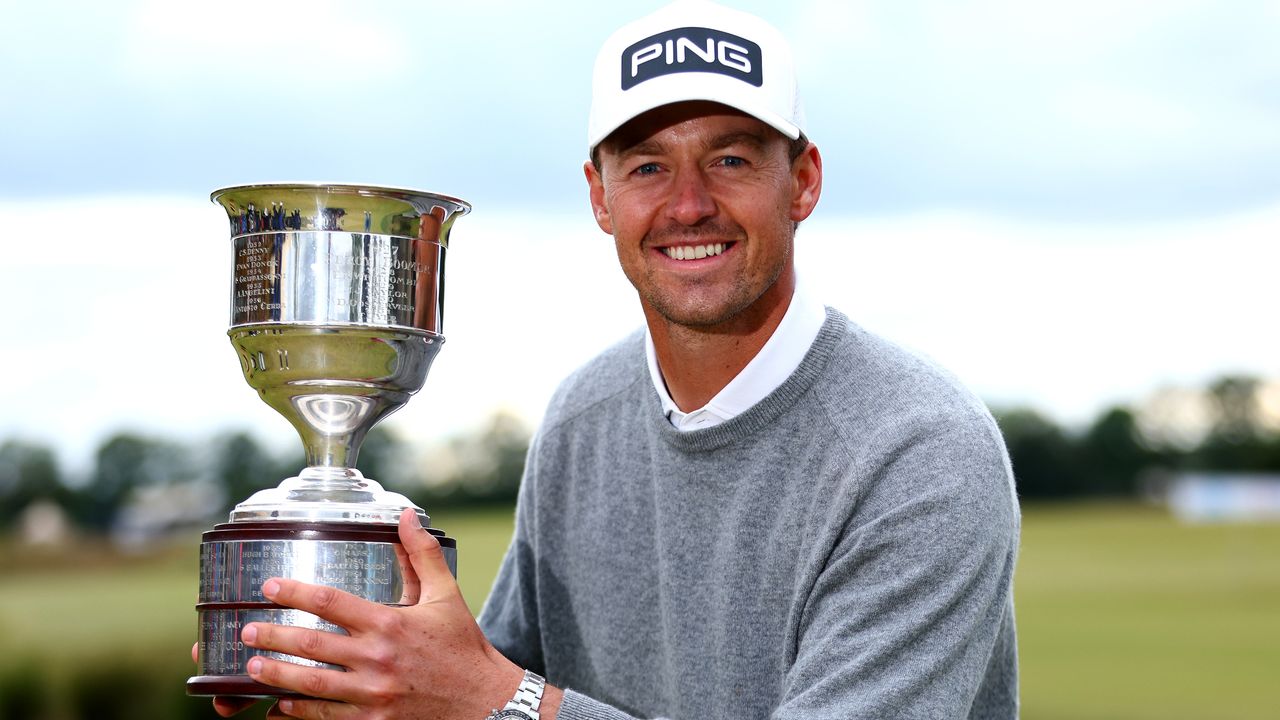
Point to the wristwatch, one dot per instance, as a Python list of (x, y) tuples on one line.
[(524, 706)]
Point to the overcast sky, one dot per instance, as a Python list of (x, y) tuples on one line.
[(1067, 203)]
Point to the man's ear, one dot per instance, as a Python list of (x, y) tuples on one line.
[(806, 183), (595, 185)]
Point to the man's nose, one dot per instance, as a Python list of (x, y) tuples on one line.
[(691, 200)]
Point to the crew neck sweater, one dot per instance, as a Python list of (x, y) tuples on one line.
[(844, 548)]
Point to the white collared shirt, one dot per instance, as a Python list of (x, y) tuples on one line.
[(780, 356)]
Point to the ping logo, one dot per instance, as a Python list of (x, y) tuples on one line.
[(691, 49)]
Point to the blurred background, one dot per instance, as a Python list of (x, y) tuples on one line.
[(1072, 206)]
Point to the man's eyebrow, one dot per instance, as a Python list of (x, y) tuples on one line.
[(644, 147), (650, 146), (755, 140)]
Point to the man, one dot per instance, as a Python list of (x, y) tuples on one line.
[(752, 509)]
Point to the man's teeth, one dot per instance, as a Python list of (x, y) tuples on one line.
[(693, 252)]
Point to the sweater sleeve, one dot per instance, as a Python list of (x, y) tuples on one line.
[(912, 615), (509, 618)]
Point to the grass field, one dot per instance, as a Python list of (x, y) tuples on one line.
[(1122, 612), (1125, 613)]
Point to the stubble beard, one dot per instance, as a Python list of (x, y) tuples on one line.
[(674, 302)]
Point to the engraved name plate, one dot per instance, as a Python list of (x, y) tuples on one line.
[(233, 571)]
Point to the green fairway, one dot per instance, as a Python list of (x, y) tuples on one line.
[(72, 611), (482, 538), (1125, 613), (88, 623), (1122, 613)]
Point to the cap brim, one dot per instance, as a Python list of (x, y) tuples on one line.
[(644, 105)]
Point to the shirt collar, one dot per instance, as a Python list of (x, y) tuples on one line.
[(772, 365)]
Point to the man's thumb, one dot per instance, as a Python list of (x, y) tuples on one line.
[(427, 559)]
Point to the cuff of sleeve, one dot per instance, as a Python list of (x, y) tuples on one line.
[(576, 706)]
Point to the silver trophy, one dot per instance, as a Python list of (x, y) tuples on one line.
[(337, 300)]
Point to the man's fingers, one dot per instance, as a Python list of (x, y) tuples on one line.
[(427, 559), (336, 606), (304, 642), (228, 706), (311, 709), (310, 681)]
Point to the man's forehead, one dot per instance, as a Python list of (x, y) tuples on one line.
[(645, 128)]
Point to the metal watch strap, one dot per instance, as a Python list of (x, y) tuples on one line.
[(527, 698)]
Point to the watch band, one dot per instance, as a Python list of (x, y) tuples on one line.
[(526, 701)]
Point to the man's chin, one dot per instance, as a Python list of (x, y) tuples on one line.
[(703, 316)]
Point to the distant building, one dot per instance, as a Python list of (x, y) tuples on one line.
[(44, 523), (1224, 497), (164, 510)]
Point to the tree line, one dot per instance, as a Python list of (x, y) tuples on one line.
[(1233, 432), (133, 473), (1114, 455)]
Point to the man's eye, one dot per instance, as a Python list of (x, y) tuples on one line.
[(647, 169), (732, 161)]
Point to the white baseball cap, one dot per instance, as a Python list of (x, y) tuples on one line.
[(695, 50)]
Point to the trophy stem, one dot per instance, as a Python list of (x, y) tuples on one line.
[(330, 477), (330, 451)]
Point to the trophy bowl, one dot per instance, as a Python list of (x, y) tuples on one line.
[(337, 301)]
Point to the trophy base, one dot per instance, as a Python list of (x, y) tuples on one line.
[(233, 686), (365, 560)]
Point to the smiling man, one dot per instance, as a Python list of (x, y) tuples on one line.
[(702, 201), (751, 508)]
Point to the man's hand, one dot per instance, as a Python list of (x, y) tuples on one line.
[(429, 660)]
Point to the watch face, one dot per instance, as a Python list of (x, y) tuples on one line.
[(511, 715)]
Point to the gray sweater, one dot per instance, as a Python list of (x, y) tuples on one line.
[(843, 549)]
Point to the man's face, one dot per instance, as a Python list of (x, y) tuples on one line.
[(702, 202)]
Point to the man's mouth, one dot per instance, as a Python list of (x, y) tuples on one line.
[(695, 252)]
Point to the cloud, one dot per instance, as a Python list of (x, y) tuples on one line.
[(317, 47), (125, 312), (1063, 317), (1087, 109), (1121, 111)]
